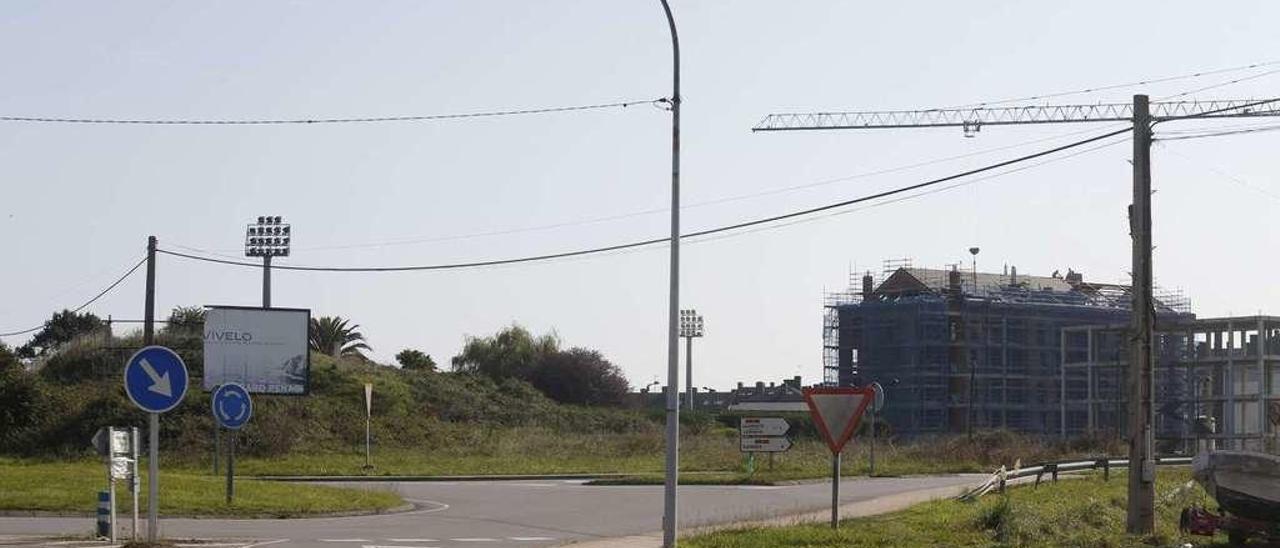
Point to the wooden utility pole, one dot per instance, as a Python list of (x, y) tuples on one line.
[(1142, 473)]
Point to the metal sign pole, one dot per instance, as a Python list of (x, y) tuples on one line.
[(133, 479), (153, 476), (111, 483), (835, 490), (231, 466), (873, 443)]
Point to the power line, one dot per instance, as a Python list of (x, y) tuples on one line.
[(319, 120), (1219, 85), (639, 213), (1221, 173), (87, 303), (654, 241), (1218, 133), (1119, 86)]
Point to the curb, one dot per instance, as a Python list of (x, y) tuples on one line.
[(403, 508)]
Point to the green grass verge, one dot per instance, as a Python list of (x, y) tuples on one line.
[(542, 451), (1084, 512), (72, 487)]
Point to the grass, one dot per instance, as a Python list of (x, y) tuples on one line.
[(1085, 512), (72, 487)]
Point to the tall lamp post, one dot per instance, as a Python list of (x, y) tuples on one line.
[(973, 362), (673, 348), (267, 238), (690, 327)]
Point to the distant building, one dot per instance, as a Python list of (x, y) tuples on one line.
[(970, 350), (784, 396)]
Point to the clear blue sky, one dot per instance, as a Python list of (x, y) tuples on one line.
[(77, 202)]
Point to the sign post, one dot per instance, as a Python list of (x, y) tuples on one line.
[(232, 408), (114, 446), (836, 412), (155, 378), (368, 414), (876, 404)]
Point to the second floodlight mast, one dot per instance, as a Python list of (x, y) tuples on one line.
[(267, 238), (690, 327)]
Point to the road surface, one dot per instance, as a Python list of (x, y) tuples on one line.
[(502, 514)]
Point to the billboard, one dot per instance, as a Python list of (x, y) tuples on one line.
[(263, 349)]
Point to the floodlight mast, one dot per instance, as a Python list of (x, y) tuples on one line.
[(269, 237), (690, 327), (1143, 115)]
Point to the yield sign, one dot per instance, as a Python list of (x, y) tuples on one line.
[(836, 412)]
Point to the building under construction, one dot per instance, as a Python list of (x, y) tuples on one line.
[(969, 349), (1226, 370)]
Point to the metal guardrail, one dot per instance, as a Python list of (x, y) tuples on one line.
[(1000, 478)]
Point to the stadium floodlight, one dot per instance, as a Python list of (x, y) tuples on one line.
[(690, 327), (269, 237)]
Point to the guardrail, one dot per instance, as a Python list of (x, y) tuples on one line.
[(1000, 478)]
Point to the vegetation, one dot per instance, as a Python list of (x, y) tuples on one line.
[(72, 487), (1084, 512), (415, 359), (578, 376), (58, 330), (332, 336)]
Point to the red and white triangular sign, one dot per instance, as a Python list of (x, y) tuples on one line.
[(836, 412)]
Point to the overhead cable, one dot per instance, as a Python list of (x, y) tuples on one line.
[(655, 241), (327, 120), (1118, 86), (87, 303)]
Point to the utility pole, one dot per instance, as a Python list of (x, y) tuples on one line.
[(153, 419), (673, 305), (1142, 470), (1142, 114)]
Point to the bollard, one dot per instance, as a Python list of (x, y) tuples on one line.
[(104, 515)]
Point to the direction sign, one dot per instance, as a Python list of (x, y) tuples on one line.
[(763, 426), (110, 441), (155, 379), (836, 412), (764, 444), (231, 405)]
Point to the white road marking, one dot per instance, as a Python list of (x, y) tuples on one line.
[(439, 506), (385, 546), (264, 543), (412, 540), (531, 485), (530, 538), (478, 539), (343, 539)]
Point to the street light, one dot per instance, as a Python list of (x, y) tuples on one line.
[(973, 363), (267, 238), (690, 327), (672, 475)]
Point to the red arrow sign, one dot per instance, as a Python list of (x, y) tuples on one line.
[(836, 412)]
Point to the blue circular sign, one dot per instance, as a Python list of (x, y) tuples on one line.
[(155, 379), (231, 405)]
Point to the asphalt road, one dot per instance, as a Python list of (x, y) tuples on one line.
[(503, 514)]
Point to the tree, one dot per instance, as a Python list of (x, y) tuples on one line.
[(580, 376), (331, 335), (60, 329), (186, 321), (8, 358), (411, 359), (512, 353)]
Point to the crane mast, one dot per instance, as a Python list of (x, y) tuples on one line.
[(1143, 114)]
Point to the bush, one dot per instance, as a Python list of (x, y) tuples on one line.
[(580, 376)]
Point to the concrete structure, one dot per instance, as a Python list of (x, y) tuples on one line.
[(1227, 369), (970, 349)]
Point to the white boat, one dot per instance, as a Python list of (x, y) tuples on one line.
[(1245, 484)]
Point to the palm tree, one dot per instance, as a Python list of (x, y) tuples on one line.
[(331, 335)]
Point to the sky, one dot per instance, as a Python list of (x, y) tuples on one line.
[(77, 202)]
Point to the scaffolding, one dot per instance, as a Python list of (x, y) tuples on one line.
[(1223, 369), (969, 349)]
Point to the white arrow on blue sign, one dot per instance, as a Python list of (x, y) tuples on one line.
[(155, 379), (232, 406)]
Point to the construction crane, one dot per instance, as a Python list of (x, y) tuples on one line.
[(1143, 114)]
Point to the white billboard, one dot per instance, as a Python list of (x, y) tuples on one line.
[(263, 349)]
